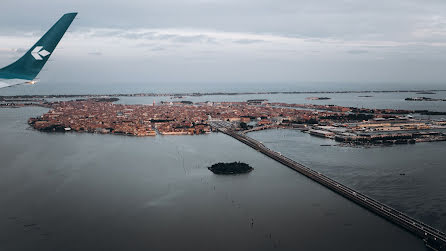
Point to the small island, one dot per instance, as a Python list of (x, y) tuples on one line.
[(317, 98), (424, 99), (230, 168), (426, 92)]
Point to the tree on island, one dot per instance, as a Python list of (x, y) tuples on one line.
[(230, 168)]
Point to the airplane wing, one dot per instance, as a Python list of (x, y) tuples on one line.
[(10, 82), (26, 68)]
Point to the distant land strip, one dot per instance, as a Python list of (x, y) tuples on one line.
[(209, 93)]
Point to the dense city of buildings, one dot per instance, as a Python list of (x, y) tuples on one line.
[(344, 124), (167, 118)]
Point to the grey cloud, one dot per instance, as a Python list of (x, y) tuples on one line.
[(323, 23), (21, 50), (249, 41), (12, 51), (173, 37), (158, 49), (95, 53), (379, 46), (196, 38), (104, 32), (153, 35), (143, 45), (309, 18), (357, 51), (313, 40), (143, 35), (153, 46)]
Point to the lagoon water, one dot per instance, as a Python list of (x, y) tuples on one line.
[(379, 100), (409, 178), (105, 192)]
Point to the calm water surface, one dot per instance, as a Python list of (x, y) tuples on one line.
[(105, 192), (409, 178), (379, 100)]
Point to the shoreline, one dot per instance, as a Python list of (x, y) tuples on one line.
[(343, 124), (192, 94)]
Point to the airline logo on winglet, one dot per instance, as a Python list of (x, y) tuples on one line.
[(39, 53)]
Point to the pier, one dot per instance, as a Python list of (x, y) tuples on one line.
[(433, 238)]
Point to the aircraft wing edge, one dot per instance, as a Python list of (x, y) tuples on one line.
[(11, 82)]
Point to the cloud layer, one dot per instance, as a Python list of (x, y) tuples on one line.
[(237, 41)]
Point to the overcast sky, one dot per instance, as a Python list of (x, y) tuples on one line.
[(235, 40)]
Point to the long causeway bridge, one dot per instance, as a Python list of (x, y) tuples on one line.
[(433, 238)]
